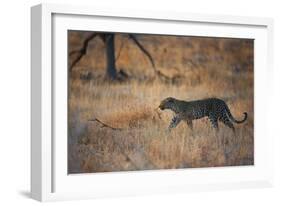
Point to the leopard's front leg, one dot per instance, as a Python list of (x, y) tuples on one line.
[(175, 121)]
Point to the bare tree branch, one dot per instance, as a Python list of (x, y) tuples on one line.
[(81, 52), (157, 72), (104, 125), (131, 36)]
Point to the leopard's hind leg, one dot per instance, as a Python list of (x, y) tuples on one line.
[(214, 122), (224, 119)]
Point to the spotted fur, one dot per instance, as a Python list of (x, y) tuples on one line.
[(213, 108)]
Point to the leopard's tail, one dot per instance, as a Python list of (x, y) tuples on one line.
[(229, 115)]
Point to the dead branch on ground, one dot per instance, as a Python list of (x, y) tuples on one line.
[(104, 125)]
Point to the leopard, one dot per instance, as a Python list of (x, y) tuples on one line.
[(214, 108)]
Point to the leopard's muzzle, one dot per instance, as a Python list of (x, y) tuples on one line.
[(162, 106)]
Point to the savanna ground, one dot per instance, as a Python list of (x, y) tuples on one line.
[(197, 68)]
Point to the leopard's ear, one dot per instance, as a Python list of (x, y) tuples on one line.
[(170, 99)]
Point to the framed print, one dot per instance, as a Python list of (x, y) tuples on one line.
[(135, 102)]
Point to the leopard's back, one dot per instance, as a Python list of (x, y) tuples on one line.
[(205, 107)]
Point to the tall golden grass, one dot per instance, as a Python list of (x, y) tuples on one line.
[(207, 67)]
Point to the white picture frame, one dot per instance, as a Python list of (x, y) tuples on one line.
[(49, 179)]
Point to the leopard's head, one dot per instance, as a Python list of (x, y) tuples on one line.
[(167, 103)]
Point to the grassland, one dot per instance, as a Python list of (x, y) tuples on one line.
[(200, 68)]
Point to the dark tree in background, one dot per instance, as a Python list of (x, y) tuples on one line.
[(108, 40), (110, 56)]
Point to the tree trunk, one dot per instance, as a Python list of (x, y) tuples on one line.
[(110, 57)]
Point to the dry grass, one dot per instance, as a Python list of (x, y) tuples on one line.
[(207, 67)]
